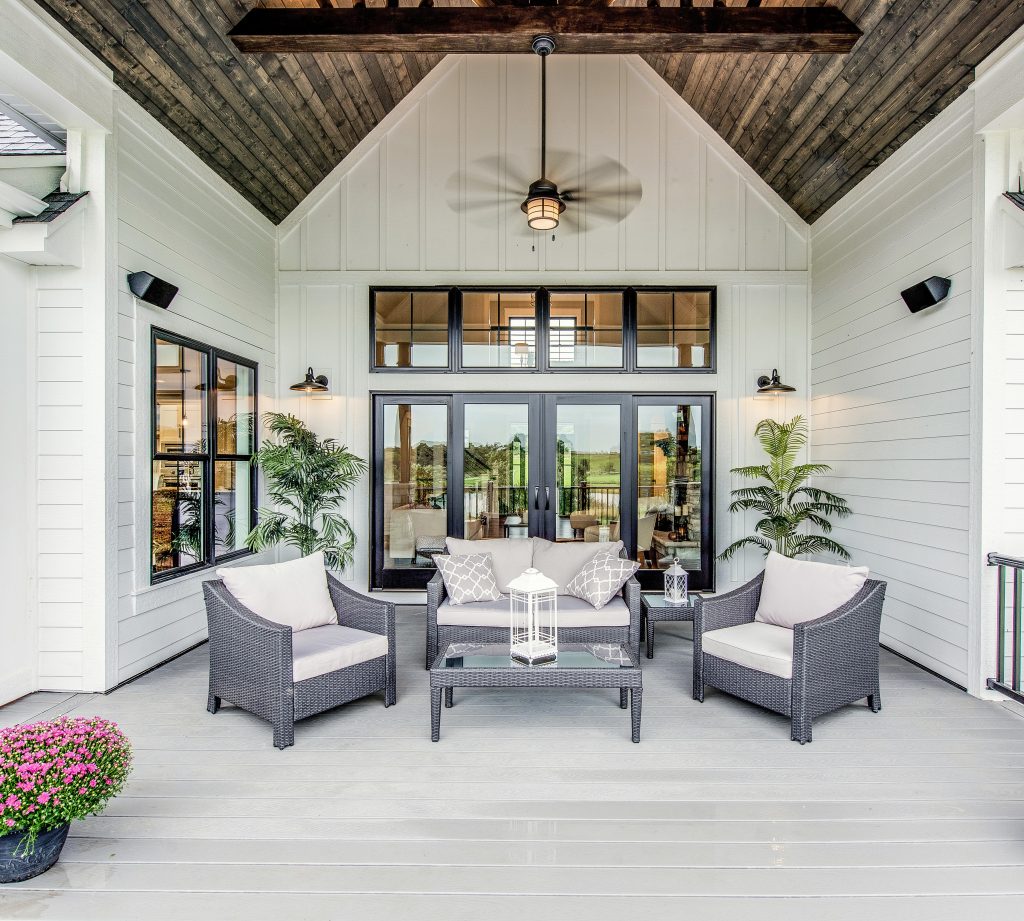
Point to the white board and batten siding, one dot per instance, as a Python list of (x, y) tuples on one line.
[(891, 390), (431, 197), (179, 221)]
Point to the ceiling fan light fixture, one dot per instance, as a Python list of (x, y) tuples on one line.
[(543, 205)]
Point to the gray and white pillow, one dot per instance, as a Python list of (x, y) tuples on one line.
[(601, 579), (468, 577)]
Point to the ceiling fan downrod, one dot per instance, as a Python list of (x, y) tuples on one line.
[(543, 204)]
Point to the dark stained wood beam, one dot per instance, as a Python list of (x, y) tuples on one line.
[(577, 29)]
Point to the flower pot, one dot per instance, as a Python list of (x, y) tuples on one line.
[(16, 865)]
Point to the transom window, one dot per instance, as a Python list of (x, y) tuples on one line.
[(543, 329), (204, 431)]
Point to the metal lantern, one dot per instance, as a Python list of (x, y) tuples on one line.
[(533, 604), (675, 583)]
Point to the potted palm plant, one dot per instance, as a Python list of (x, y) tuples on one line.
[(307, 479), (50, 774), (789, 505)]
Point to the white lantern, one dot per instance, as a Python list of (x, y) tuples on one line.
[(675, 583), (533, 603)]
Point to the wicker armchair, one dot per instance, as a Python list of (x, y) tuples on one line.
[(835, 657), (439, 636), (251, 660)]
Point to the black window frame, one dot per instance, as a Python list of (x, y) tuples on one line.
[(542, 293), (542, 421), (208, 459)]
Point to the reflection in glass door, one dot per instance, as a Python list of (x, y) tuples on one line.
[(412, 523), (669, 486), (566, 467), (585, 439), (496, 470)]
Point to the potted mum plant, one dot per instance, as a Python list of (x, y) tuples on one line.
[(50, 774)]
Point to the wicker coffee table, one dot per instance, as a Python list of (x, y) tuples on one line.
[(654, 608), (589, 665)]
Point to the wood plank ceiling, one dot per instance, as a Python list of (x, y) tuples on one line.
[(274, 125)]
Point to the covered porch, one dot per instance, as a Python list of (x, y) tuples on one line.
[(537, 804)]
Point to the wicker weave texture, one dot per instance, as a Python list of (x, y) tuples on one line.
[(446, 679), (251, 660), (835, 657), (440, 636)]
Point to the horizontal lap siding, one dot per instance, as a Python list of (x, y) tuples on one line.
[(890, 407), (59, 387), (179, 222)]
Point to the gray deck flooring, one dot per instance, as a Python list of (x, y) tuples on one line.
[(535, 804)]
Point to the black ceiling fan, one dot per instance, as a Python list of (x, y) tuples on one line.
[(607, 191)]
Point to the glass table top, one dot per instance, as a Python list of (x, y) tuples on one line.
[(573, 655), (657, 600)]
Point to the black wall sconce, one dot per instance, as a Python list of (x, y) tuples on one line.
[(152, 290), (766, 384), (926, 293), (311, 384)]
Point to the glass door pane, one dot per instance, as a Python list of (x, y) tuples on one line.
[(414, 480), (586, 500), (496, 470), (669, 496)]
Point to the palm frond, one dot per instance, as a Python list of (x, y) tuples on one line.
[(788, 505), (308, 479)]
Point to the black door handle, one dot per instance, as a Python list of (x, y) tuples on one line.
[(536, 497), (547, 503)]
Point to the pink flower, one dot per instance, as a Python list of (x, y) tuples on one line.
[(43, 798), (10, 823)]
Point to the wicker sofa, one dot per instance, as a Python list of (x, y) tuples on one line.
[(832, 660), (488, 622), (253, 660)]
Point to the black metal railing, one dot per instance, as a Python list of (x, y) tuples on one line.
[(1010, 597)]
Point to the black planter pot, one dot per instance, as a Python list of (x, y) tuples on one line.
[(16, 867)]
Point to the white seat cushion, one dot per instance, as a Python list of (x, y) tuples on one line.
[(293, 594), (572, 612), (560, 561), (326, 649), (509, 557), (762, 647), (795, 591)]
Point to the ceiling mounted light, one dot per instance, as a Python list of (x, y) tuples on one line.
[(543, 204), (311, 384), (766, 384)]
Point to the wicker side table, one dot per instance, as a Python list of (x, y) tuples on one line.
[(655, 609), (584, 665)]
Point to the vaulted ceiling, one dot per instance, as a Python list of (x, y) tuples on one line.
[(273, 125)]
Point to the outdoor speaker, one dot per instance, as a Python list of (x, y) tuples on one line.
[(151, 289), (926, 293)]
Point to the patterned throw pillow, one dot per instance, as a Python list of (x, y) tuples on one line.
[(601, 578), (468, 577)]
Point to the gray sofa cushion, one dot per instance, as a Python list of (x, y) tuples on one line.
[(510, 557), (572, 612), (320, 650), (560, 561)]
